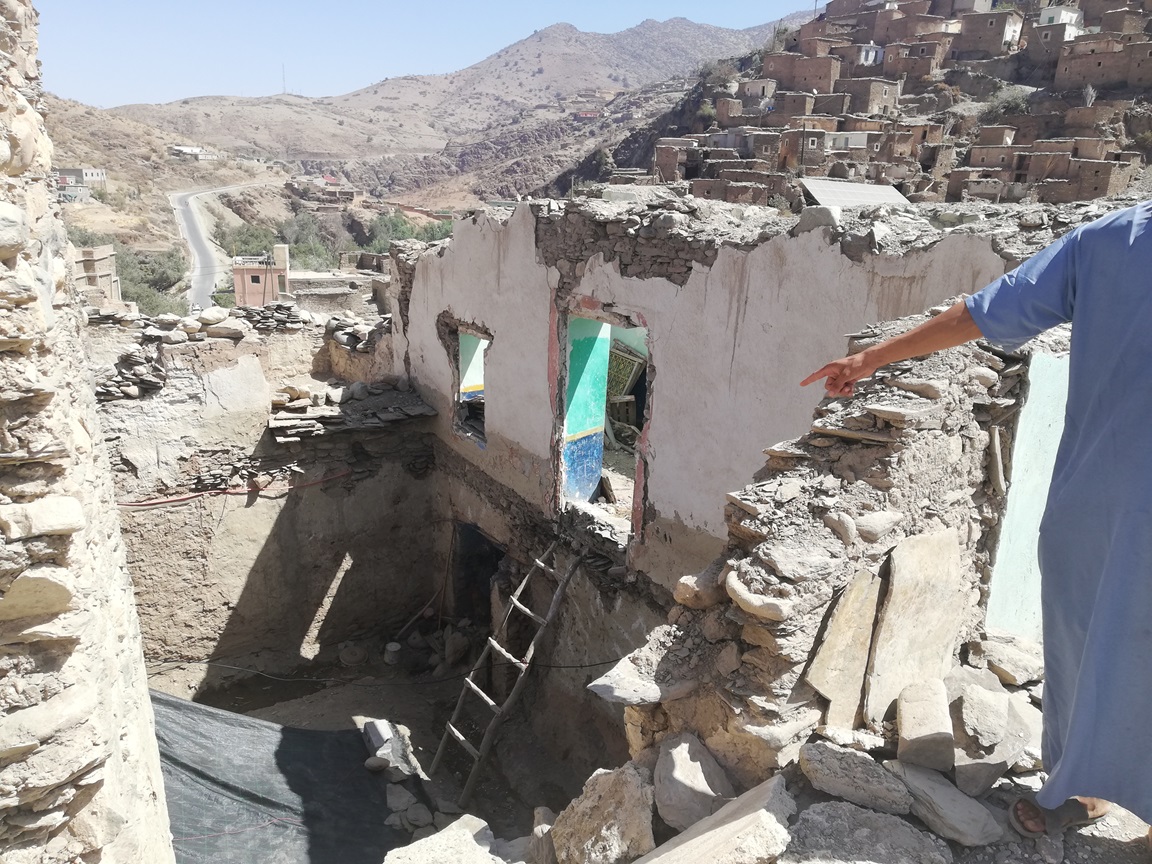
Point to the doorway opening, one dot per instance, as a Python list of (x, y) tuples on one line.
[(604, 412), (475, 560)]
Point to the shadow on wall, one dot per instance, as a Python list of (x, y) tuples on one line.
[(354, 554)]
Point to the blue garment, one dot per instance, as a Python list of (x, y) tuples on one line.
[(1095, 549)]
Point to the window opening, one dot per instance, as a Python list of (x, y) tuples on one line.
[(255, 279), (471, 349), (605, 408)]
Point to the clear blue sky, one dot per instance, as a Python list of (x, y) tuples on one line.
[(113, 52)]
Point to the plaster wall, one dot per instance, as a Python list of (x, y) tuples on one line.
[(729, 349), (489, 277), (346, 543), (1014, 600)]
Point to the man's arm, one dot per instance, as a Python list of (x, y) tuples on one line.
[(947, 330)]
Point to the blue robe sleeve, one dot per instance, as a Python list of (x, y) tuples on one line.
[(1037, 295)]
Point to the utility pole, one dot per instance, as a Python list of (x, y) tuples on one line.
[(284, 79)]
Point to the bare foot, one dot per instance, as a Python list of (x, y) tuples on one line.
[(1032, 817)]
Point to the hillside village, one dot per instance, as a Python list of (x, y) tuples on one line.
[(461, 504), (876, 92)]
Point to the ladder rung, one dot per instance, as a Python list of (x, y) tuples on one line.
[(537, 618), (475, 688), (464, 742), (545, 567), (499, 649)]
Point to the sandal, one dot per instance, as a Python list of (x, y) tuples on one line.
[(1072, 813)]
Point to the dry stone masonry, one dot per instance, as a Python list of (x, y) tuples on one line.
[(79, 768), (842, 633)]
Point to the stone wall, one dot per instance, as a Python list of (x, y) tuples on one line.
[(79, 769), (858, 563), (258, 551)]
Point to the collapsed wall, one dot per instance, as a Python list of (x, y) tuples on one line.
[(859, 563), (79, 769), (271, 508)]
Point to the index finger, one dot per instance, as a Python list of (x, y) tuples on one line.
[(823, 372)]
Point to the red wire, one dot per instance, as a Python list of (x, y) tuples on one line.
[(158, 502)]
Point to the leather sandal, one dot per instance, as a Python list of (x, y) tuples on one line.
[(1073, 813)]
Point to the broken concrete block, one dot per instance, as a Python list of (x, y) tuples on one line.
[(753, 828), (916, 639), (944, 808), (958, 680), (842, 833), (466, 841), (841, 662), (1016, 663), (39, 590), (794, 564), (874, 526), (702, 590), (977, 770), (212, 315), (853, 739), (644, 677), (812, 218), (611, 821), (843, 526), (925, 726), (687, 781), (984, 715), (853, 776), (52, 514)]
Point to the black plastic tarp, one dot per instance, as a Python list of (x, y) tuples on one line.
[(244, 791)]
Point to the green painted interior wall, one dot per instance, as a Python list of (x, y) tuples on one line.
[(588, 344), (635, 338), (1014, 600), (472, 363)]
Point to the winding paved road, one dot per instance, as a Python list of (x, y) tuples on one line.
[(205, 268)]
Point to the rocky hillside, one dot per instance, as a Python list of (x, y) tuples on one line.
[(529, 82)]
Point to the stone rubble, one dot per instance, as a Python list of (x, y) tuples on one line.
[(299, 413), (687, 781), (585, 834), (849, 606)]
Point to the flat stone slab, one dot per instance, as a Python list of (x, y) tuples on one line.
[(842, 833), (688, 780), (918, 633), (853, 776), (753, 829), (925, 726), (945, 809), (841, 662)]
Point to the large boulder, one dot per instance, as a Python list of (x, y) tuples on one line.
[(611, 821), (688, 780)]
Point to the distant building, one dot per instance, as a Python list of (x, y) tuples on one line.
[(94, 270), (191, 151), (93, 178), (260, 279)]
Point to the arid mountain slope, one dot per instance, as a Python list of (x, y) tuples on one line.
[(525, 82)]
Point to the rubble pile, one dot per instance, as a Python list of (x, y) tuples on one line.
[(665, 233), (840, 640), (350, 332), (135, 374), (215, 322), (276, 316), (301, 412)]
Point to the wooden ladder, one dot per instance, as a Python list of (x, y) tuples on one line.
[(501, 712)]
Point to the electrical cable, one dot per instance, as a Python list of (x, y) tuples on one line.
[(297, 678), (259, 491)]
